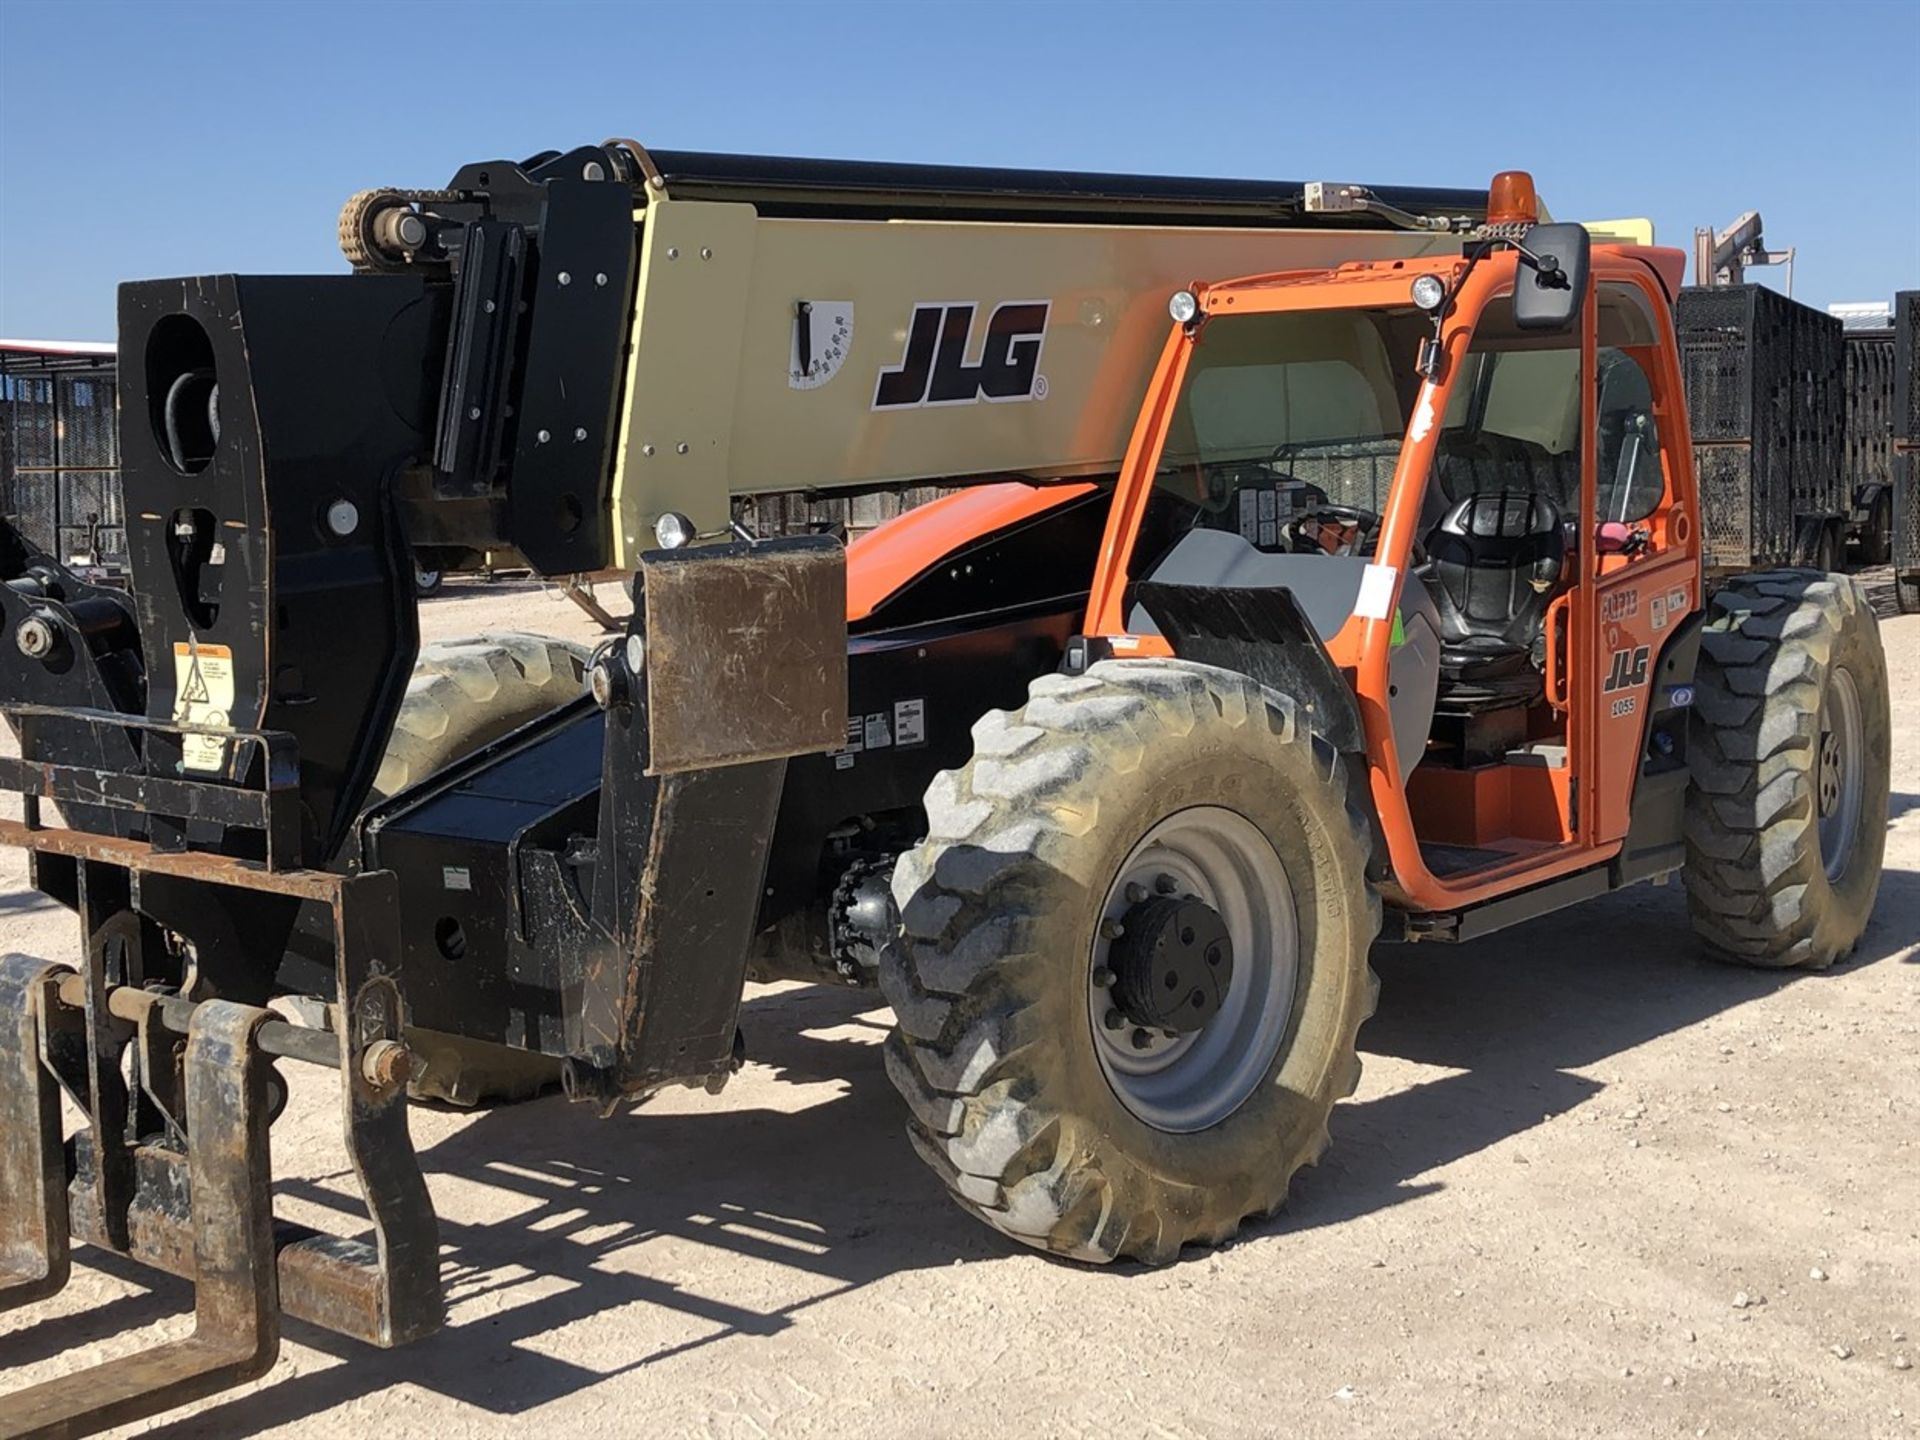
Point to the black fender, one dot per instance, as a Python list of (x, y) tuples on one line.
[(1264, 635)]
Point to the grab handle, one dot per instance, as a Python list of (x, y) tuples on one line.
[(1559, 616)]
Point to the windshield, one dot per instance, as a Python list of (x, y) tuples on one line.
[(1283, 415)]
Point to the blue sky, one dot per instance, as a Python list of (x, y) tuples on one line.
[(174, 138)]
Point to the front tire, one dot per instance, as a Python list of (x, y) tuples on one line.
[(1786, 819), (1039, 848)]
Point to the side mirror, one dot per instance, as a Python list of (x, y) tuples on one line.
[(1550, 282)]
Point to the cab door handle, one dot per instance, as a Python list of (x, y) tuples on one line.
[(1559, 618)]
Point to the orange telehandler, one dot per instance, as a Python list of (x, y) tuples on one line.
[(1373, 609)]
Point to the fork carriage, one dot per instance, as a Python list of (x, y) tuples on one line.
[(172, 1166)]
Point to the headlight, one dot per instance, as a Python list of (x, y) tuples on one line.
[(1184, 306), (673, 530), (1429, 293)]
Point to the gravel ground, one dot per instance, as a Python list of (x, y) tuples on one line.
[(1591, 1185)]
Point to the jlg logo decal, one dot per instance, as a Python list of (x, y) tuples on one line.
[(1629, 670), (935, 370)]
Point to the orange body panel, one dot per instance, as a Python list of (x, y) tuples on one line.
[(888, 556), (1604, 735)]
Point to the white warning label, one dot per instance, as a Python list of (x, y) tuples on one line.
[(203, 691), (878, 735), (909, 722), (1375, 600)]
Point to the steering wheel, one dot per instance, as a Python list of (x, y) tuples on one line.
[(1364, 526)]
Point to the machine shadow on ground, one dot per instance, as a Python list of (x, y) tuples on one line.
[(833, 1190)]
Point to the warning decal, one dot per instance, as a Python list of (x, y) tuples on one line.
[(910, 722), (203, 690)]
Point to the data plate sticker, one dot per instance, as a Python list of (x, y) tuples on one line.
[(203, 695), (910, 722), (878, 735)]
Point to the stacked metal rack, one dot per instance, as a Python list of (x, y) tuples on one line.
[(1765, 380), (59, 450), (1905, 461)]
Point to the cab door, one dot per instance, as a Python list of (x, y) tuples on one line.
[(1637, 547)]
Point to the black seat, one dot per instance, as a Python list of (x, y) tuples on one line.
[(1496, 559)]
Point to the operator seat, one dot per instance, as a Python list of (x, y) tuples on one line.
[(1495, 560)]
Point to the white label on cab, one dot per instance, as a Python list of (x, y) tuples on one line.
[(1375, 601)]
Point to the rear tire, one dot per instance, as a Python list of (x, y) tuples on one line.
[(1876, 540), (1786, 817), (464, 694), (1906, 594), (1015, 1099), (1826, 550)]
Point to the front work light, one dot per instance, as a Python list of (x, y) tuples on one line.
[(673, 530), (1429, 292), (1184, 307)]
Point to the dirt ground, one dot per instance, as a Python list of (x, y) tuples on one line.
[(1575, 1145)]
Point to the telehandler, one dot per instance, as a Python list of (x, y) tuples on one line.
[(1361, 599)]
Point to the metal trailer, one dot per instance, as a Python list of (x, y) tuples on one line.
[(1906, 450), (59, 450), (1765, 381), (1868, 333), (584, 359)]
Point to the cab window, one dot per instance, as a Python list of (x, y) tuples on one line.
[(1283, 415), (1513, 418), (1632, 481)]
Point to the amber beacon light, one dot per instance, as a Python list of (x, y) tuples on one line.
[(1510, 199)]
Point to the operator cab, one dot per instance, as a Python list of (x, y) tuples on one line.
[(1277, 467)]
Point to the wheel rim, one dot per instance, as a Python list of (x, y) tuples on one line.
[(1191, 1081), (1837, 779)]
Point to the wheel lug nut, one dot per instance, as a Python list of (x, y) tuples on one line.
[(1111, 929), (1102, 976), (1165, 884), (1136, 892), (1141, 1039), (1113, 1020), (1170, 1034)]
